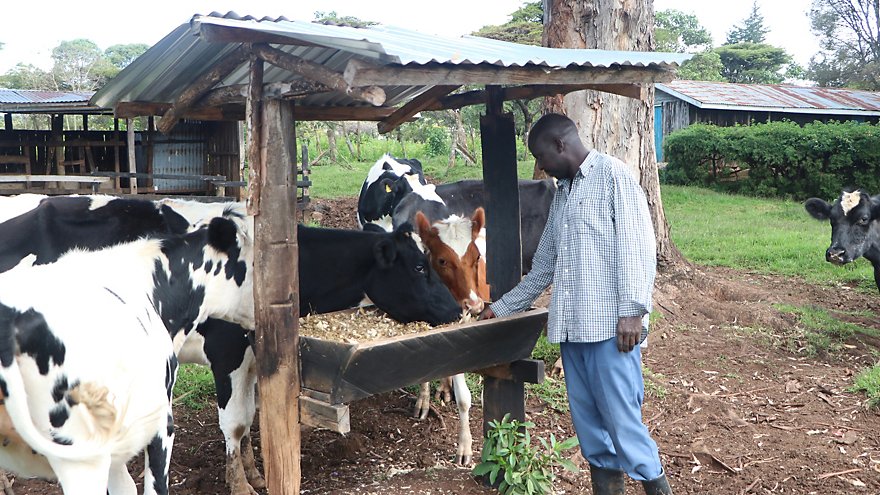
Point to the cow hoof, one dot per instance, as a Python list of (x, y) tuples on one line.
[(257, 482), (464, 459)]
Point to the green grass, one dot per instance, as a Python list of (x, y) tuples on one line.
[(194, 387), (819, 331), (552, 391), (868, 381), (764, 235), (654, 383)]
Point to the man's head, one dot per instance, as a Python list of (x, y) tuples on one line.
[(557, 148)]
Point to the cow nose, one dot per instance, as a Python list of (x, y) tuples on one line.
[(836, 256), (474, 305)]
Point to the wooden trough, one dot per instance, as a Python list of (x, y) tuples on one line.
[(338, 372)]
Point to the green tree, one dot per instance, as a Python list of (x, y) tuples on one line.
[(524, 26), (752, 29), (333, 19), (120, 56), (849, 37), (78, 65), (753, 63), (675, 31), (26, 76), (704, 66)]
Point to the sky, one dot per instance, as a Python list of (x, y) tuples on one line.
[(32, 28)]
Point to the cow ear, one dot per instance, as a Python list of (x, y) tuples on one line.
[(222, 234), (477, 222), (422, 224), (818, 208), (385, 253), (174, 222)]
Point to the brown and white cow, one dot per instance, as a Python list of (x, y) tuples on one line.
[(455, 248)]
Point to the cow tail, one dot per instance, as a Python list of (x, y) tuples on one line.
[(17, 407)]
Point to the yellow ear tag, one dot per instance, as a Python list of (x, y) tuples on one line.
[(387, 188)]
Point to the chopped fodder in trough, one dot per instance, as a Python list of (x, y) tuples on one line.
[(361, 325)]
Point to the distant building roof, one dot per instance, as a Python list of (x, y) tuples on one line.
[(774, 98), (39, 101), (160, 74)]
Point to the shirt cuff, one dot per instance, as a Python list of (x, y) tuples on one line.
[(500, 309), (629, 308)]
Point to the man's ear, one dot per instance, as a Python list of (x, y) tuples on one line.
[(559, 143)]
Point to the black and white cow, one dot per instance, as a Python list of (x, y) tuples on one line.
[(388, 268), (87, 347), (387, 182), (855, 227)]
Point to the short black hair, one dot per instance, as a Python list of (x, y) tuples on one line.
[(552, 124)]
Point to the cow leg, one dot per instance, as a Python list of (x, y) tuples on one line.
[(236, 417), (444, 391), (121, 482), (423, 402), (158, 459), (464, 452)]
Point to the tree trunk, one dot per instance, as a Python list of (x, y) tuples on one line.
[(622, 127), (331, 144)]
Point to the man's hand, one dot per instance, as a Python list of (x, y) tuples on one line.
[(487, 314), (629, 330)]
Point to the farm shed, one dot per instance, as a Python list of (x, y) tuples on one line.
[(53, 144), (274, 71), (680, 103)]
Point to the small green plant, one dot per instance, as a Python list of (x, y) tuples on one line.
[(517, 467), (868, 381), (820, 331), (552, 391), (194, 387), (654, 383)]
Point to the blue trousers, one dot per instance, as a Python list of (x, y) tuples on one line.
[(605, 393)]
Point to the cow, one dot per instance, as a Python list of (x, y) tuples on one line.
[(387, 182), (61, 223), (87, 346), (855, 227)]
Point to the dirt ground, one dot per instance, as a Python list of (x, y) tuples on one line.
[(742, 412)]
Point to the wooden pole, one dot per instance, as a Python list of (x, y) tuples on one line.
[(116, 165), (503, 245), (253, 121), (132, 163), (276, 300)]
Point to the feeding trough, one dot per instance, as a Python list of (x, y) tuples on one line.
[(343, 372)]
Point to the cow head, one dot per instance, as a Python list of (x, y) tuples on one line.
[(452, 247), (387, 183), (854, 224), (405, 286)]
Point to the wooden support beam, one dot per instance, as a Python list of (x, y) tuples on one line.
[(357, 73), (524, 370), (238, 92), (316, 411), (7, 121), (373, 95), (201, 86), (130, 110), (529, 92), (132, 163), (254, 121), (414, 106), (276, 299)]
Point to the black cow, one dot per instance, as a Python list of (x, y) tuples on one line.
[(341, 267), (388, 181), (464, 197), (855, 227)]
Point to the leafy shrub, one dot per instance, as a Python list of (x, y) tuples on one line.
[(436, 141), (524, 469), (779, 159)]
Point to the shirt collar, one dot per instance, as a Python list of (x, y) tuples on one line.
[(584, 167)]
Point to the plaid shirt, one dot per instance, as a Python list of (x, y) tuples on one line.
[(597, 249)]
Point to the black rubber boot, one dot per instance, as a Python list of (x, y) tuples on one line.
[(606, 481), (657, 486)]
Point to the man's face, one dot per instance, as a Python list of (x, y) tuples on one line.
[(549, 157)]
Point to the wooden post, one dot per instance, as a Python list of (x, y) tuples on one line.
[(503, 245), (7, 121), (276, 299), (116, 165), (132, 164), (150, 136), (242, 161), (85, 122), (253, 117)]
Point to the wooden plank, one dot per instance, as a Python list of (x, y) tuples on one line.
[(302, 112), (276, 298), (82, 179), (353, 371), (116, 162), (529, 92), (357, 73), (7, 121), (200, 86), (132, 162), (414, 106), (238, 92), (503, 244), (523, 370), (254, 134), (318, 414), (373, 95)]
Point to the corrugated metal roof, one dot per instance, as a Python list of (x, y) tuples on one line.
[(39, 101), (165, 69), (775, 98)]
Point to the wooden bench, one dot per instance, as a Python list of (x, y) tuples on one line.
[(94, 182)]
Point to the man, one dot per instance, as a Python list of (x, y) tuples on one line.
[(598, 250)]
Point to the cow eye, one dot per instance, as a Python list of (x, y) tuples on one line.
[(420, 268), (864, 220), (441, 261)]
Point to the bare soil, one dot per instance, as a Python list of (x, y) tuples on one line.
[(741, 410)]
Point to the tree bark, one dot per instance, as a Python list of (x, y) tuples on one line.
[(622, 127)]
